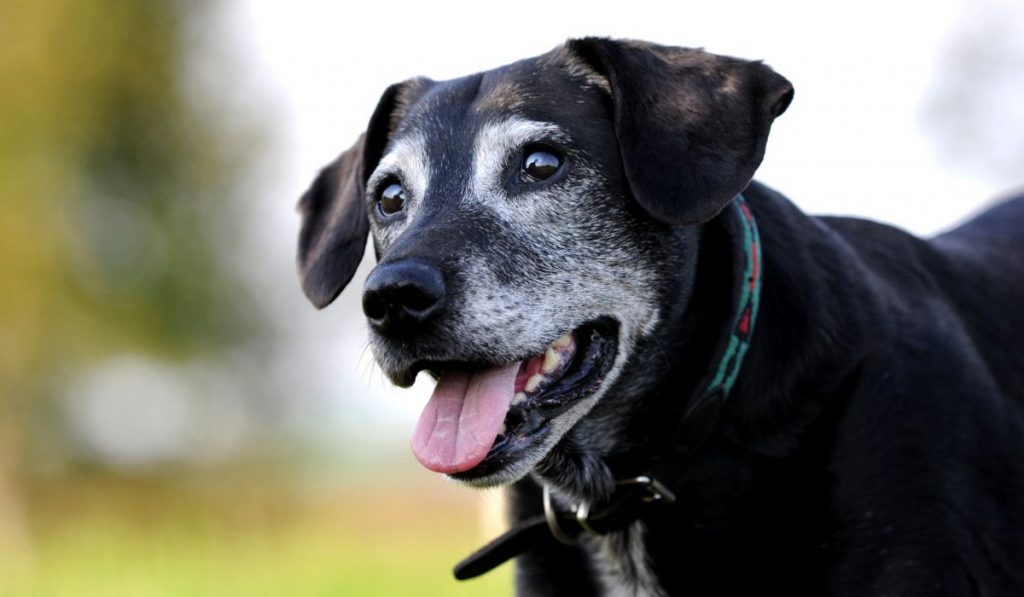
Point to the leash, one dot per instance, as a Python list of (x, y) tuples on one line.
[(636, 497)]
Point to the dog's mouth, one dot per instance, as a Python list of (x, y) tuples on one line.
[(481, 418)]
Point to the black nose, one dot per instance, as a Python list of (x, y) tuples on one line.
[(398, 297)]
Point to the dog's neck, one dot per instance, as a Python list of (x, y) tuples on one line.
[(817, 319), (719, 262), (698, 320)]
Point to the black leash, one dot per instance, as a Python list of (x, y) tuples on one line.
[(638, 497)]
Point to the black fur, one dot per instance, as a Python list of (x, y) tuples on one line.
[(874, 441)]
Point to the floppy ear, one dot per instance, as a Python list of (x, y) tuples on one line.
[(334, 221), (691, 126)]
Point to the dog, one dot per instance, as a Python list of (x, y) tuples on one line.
[(689, 386)]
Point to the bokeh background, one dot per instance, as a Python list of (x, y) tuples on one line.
[(176, 420)]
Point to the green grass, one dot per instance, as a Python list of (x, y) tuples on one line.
[(126, 539)]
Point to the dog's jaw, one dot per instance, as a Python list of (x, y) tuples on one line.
[(582, 474), (568, 473)]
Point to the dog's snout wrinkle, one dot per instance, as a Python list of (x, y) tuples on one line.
[(400, 296)]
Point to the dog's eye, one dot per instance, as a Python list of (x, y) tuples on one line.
[(391, 199), (540, 164)]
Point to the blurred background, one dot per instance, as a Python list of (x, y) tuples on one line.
[(175, 419)]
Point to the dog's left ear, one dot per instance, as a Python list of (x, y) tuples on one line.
[(692, 126), (334, 227), (334, 219)]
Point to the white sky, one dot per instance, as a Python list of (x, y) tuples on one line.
[(852, 141)]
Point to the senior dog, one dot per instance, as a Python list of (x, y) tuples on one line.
[(690, 386)]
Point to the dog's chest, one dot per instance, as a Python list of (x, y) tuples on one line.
[(622, 563)]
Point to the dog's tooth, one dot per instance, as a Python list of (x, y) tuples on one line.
[(534, 382), (501, 430), (551, 360), (562, 342), (519, 398)]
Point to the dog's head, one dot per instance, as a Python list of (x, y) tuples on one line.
[(527, 223)]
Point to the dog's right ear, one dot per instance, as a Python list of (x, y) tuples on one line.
[(691, 126), (334, 220)]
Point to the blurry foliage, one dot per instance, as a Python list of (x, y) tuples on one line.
[(117, 178), (114, 186)]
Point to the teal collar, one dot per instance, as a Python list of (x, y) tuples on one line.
[(746, 300)]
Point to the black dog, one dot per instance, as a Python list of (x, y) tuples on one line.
[(715, 393)]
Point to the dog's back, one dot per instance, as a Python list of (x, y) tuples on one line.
[(986, 281), (969, 280)]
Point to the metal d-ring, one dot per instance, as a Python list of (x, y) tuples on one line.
[(552, 518)]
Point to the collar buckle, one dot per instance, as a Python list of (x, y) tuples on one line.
[(654, 491)]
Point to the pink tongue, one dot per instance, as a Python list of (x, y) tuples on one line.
[(460, 423)]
